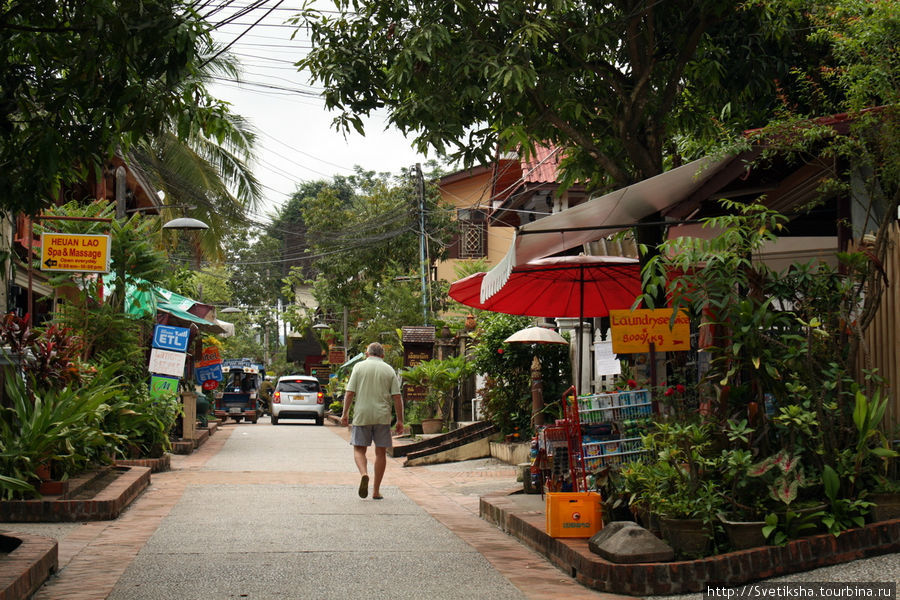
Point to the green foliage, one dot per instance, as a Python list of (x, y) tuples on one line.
[(144, 423), (440, 377), (507, 392), (521, 74), (59, 427), (81, 80), (362, 232)]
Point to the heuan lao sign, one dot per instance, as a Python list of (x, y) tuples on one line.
[(633, 331), (75, 252)]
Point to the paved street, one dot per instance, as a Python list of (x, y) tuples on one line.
[(272, 512)]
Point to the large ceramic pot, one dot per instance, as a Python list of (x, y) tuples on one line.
[(432, 425), (887, 506), (688, 537), (744, 534)]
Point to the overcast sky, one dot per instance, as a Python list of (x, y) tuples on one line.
[(296, 141)]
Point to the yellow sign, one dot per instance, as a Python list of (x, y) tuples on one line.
[(75, 252), (634, 331)]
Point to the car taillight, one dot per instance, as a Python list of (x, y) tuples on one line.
[(320, 398), (276, 397)]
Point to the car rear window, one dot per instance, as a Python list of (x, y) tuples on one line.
[(298, 385)]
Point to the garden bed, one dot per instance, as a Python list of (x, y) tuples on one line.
[(26, 561), (156, 465), (97, 495), (522, 516)]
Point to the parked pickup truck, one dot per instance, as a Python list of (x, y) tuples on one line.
[(239, 398)]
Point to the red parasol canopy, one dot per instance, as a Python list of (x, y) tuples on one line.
[(565, 286)]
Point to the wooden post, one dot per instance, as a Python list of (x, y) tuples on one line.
[(537, 394)]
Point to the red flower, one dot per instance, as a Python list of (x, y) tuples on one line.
[(632, 383), (499, 350), (668, 392), (679, 388)]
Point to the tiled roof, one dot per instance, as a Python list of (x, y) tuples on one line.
[(422, 335)]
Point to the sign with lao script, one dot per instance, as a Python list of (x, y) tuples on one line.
[(75, 252), (634, 330), (166, 362), (167, 337)]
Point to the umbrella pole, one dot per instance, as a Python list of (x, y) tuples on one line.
[(537, 394), (578, 389)]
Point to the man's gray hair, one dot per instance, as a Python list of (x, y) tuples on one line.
[(375, 349)]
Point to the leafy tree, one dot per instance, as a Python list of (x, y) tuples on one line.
[(363, 235), (80, 79), (618, 85), (507, 392)]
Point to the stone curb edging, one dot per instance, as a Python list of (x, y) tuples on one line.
[(156, 465), (25, 569), (105, 505), (573, 556)]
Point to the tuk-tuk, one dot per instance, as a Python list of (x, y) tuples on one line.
[(240, 393)]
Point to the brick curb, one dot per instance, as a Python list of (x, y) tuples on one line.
[(574, 557), (156, 465), (24, 569), (105, 505)]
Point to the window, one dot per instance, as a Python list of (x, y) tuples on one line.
[(472, 233), (298, 386)]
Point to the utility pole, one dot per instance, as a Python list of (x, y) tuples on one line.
[(420, 193)]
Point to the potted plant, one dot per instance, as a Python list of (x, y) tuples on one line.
[(687, 497), (440, 377)]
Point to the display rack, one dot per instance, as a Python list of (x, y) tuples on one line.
[(597, 430)]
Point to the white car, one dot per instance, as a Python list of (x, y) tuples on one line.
[(298, 397)]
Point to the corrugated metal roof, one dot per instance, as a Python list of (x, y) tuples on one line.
[(421, 335)]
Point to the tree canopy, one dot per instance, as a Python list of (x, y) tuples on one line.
[(362, 235), (80, 79), (619, 85)]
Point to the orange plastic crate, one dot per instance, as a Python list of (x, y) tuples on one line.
[(574, 514)]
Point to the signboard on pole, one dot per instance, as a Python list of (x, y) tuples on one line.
[(166, 362), (167, 337), (210, 356), (161, 386), (75, 252), (634, 330), (209, 372)]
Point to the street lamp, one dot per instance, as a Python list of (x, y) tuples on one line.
[(185, 224)]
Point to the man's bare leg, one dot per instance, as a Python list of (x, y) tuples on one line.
[(380, 465)]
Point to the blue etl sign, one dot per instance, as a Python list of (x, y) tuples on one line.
[(167, 337)]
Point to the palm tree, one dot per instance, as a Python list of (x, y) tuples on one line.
[(203, 161)]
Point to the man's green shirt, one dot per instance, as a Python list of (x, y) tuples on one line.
[(373, 382)]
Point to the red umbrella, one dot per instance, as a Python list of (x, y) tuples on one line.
[(565, 286)]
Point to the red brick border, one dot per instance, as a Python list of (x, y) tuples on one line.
[(574, 557), (105, 505), (25, 569), (156, 465)]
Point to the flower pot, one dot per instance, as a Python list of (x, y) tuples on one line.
[(744, 534), (688, 537), (887, 506), (53, 487), (432, 425)]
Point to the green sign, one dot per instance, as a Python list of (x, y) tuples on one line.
[(161, 387)]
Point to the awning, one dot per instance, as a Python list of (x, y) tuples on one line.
[(145, 299), (599, 217)]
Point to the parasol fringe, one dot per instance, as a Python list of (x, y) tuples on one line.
[(496, 278)]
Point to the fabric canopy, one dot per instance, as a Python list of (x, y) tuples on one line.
[(562, 286), (598, 218), (143, 298)]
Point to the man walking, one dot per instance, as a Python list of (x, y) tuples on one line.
[(373, 384)]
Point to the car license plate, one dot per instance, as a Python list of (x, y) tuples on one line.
[(234, 409)]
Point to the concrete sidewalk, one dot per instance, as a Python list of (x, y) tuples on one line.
[(224, 523)]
